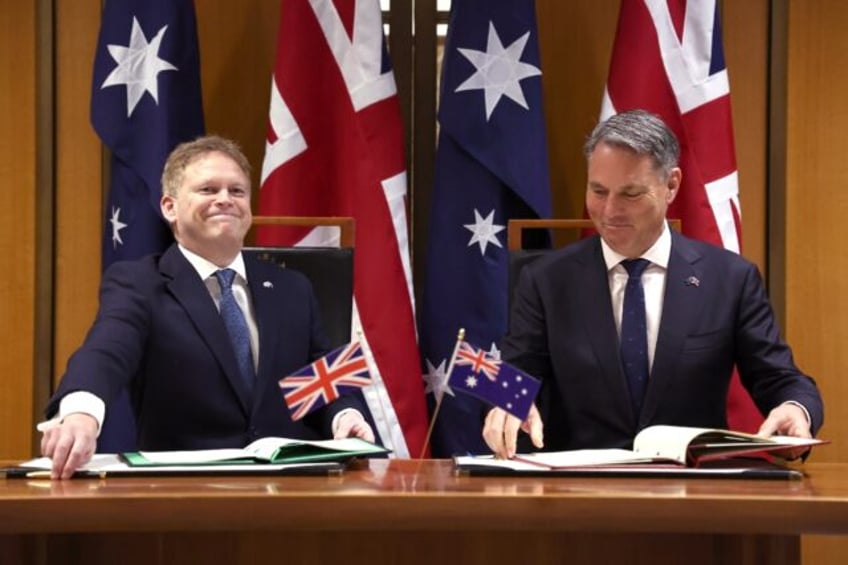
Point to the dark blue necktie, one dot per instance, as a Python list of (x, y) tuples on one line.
[(634, 333), (236, 326)]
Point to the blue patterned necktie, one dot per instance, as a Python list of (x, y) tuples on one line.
[(634, 333), (236, 326)]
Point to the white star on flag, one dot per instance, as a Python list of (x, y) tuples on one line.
[(484, 230), (117, 226), (499, 71), (494, 352), (471, 381), (436, 380), (138, 66)]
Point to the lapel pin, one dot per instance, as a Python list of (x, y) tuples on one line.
[(693, 281), (268, 284)]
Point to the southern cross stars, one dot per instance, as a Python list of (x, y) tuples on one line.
[(117, 226), (436, 380), (485, 231), (499, 71), (138, 66)]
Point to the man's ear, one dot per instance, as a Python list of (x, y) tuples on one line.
[(168, 205), (675, 177)]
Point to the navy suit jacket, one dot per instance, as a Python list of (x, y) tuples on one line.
[(158, 331), (715, 314)]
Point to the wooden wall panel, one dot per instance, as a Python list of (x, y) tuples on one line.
[(817, 205), (17, 223), (816, 231), (746, 46), (79, 218), (575, 40), (237, 51)]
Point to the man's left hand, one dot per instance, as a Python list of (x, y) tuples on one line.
[(353, 424), (788, 419)]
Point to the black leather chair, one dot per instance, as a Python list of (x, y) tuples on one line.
[(330, 269)]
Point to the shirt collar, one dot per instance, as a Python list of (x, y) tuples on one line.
[(658, 253), (206, 268)]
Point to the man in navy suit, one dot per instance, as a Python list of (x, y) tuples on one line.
[(706, 311), (159, 331)]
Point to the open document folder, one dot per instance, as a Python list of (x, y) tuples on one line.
[(732, 468), (264, 456), (104, 465), (665, 450)]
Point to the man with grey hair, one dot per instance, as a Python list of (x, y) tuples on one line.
[(639, 325), (200, 334)]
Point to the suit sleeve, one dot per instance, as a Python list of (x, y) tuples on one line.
[(526, 342), (112, 351), (765, 362)]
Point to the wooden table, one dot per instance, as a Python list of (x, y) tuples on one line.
[(405, 511)]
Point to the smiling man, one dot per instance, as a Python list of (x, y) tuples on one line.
[(200, 334), (639, 325)]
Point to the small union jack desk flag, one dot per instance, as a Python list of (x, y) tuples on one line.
[(481, 374), (339, 372)]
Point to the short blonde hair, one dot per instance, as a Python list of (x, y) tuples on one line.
[(186, 153)]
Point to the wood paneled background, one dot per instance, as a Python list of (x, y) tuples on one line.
[(237, 50)]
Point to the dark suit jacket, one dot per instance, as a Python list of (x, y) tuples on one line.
[(158, 332), (562, 330)]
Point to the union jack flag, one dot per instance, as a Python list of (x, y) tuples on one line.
[(504, 386), (341, 371), (479, 360), (334, 147), (668, 59)]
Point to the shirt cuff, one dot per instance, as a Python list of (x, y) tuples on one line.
[(806, 412), (335, 423), (78, 402)]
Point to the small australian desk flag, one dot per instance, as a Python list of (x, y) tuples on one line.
[(476, 372)]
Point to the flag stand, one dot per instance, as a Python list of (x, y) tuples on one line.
[(459, 337)]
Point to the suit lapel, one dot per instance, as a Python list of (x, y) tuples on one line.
[(592, 301), (194, 297), (681, 308), (266, 307)]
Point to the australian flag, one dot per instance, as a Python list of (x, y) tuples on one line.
[(478, 373), (491, 166), (145, 100)]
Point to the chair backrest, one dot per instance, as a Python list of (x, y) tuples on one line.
[(519, 257), (329, 269)]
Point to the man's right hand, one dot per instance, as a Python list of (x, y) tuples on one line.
[(501, 431), (70, 444)]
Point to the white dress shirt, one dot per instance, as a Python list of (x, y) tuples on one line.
[(653, 282)]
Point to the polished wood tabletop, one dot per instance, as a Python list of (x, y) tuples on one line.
[(429, 495)]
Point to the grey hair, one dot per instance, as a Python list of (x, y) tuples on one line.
[(641, 132)]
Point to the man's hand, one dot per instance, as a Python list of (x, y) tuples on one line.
[(501, 431), (788, 419), (353, 424), (70, 444)]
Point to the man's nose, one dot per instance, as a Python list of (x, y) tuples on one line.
[(612, 206), (223, 196)]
